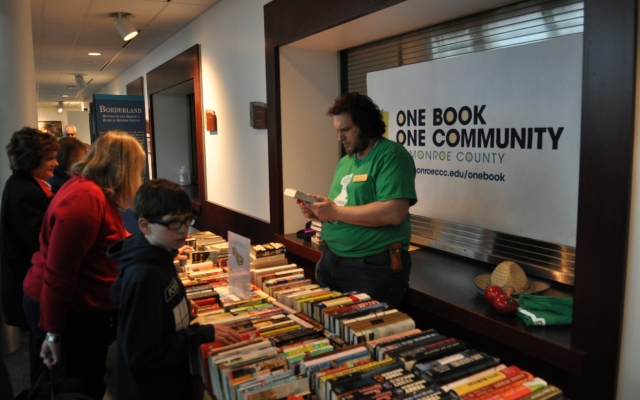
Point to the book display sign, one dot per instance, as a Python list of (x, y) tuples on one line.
[(125, 113), (495, 135), (239, 265)]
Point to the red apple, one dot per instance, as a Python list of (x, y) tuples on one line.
[(492, 292), (504, 304)]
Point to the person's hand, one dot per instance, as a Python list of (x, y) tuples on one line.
[(305, 210), (50, 353), (226, 335), (324, 209), (193, 308), (182, 250)]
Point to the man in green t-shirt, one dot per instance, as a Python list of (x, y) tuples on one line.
[(366, 216)]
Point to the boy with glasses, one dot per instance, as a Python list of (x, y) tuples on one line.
[(154, 334)]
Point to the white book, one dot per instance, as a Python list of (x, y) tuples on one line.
[(279, 294), (255, 273), (401, 324), (277, 274), (299, 195), (261, 260), (290, 300), (346, 325), (288, 278)]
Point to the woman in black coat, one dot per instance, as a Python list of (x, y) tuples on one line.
[(26, 196)]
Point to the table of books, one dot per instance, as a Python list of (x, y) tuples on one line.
[(303, 341)]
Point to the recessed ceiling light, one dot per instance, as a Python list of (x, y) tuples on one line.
[(71, 87), (65, 95), (95, 54)]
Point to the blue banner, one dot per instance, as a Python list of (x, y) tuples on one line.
[(125, 113)]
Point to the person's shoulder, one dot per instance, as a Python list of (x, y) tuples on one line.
[(80, 188), (393, 148), (23, 185)]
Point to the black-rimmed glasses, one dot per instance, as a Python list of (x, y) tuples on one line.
[(174, 225)]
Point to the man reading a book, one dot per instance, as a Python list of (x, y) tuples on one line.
[(366, 216)]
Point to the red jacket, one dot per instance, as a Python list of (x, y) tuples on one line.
[(71, 269)]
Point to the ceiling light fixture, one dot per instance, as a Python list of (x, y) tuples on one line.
[(124, 26), (60, 107), (80, 81), (94, 54)]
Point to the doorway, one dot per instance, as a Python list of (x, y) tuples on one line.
[(175, 144)]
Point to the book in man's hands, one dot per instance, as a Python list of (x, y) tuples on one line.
[(299, 195)]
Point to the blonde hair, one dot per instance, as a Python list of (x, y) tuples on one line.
[(114, 162)]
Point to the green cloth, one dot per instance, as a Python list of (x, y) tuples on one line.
[(386, 173), (545, 310)]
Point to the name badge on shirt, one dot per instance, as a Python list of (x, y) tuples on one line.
[(360, 178)]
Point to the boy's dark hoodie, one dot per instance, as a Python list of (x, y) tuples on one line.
[(154, 335)]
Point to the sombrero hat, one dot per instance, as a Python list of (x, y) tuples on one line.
[(509, 275)]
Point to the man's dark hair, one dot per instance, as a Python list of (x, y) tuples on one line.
[(28, 147), (159, 197), (69, 148), (365, 114)]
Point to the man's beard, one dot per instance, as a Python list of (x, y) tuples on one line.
[(362, 142)]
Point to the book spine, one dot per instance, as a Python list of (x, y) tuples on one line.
[(466, 370), (386, 330), (392, 350), (496, 387), (549, 392), (360, 385), (520, 390), (434, 352), (268, 258), (473, 384)]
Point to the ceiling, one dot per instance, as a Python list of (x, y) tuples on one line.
[(65, 31)]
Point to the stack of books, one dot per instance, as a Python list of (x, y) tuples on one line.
[(317, 237), (268, 255)]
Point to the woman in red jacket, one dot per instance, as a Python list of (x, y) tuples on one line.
[(67, 290)]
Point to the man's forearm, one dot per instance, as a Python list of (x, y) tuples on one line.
[(379, 213)]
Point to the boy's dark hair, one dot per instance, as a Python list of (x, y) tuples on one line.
[(159, 197), (365, 114), (27, 148)]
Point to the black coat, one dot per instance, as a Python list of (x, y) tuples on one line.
[(21, 213)]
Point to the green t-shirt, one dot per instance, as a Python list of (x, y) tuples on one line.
[(386, 173)]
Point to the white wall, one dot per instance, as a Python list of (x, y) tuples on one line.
[(171, 122), (80, 119), (309, 83), (231, 35), (68, 116), (51, 114), (628, 382)]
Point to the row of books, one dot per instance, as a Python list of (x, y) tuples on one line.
[(304, 340)]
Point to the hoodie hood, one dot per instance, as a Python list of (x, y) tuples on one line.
[(135, 251)]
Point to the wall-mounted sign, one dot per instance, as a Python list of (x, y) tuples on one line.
[(125, 113), (495, 136)]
